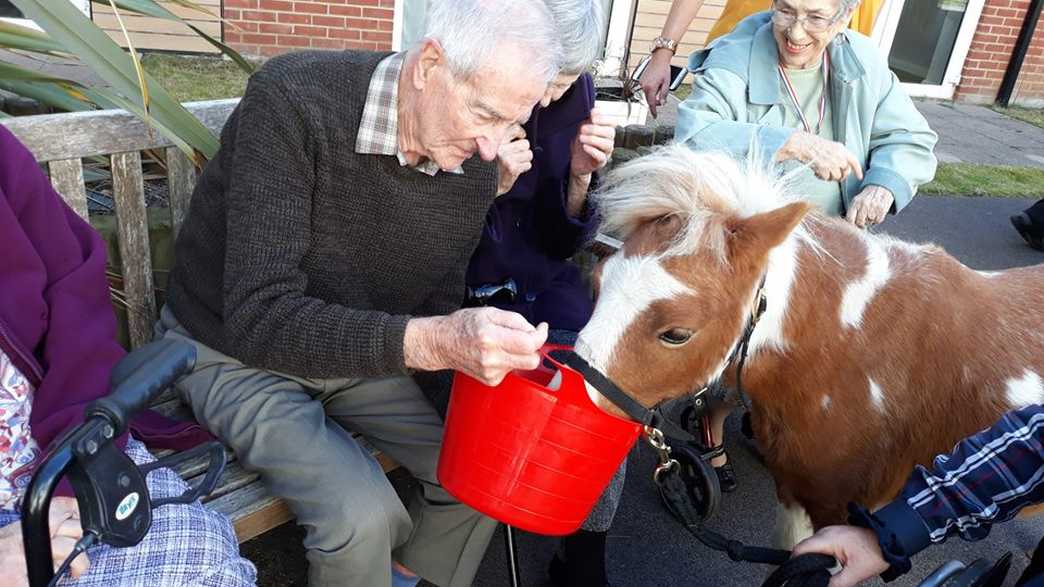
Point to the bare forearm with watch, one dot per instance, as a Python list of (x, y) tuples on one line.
[(656, 78)]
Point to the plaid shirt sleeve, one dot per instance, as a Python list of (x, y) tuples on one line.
[(987, 478)]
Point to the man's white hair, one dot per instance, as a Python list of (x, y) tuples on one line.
[(581, 24), (473, 32)]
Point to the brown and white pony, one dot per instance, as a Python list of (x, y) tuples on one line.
[(873, 354)]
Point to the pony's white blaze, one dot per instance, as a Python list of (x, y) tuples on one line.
[(1025, 390), (859, 294), (825, 402), (629, 285), (877, 396)]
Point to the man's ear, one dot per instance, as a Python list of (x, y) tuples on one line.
[(430, 57)]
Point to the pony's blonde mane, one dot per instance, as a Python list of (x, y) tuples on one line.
[(702, 189)]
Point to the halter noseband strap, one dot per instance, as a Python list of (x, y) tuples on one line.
[(652, 417)]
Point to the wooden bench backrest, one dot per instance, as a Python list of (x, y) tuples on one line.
[(61, 141)]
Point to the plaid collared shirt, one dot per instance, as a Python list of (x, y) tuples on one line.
[(379, 127)]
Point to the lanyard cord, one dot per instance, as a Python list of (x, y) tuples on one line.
[(822, 97)]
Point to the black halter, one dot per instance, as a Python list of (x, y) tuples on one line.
[(653, 417)]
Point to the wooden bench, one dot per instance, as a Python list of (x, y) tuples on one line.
[(61, 142)]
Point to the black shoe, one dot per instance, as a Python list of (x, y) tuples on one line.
[(1033, 235), (726, 477), (584, 565)]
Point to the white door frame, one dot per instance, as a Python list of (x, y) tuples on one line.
[(397, 14), (617, 39), (83, 5), (885, 36)]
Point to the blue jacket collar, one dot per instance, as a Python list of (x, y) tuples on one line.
[(763, 80)]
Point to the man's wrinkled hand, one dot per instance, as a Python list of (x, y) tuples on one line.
[(870, 206), (485, 343), (513, 159), (856, 549)]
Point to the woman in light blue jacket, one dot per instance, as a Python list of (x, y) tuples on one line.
[(796, 87), (866, 146)]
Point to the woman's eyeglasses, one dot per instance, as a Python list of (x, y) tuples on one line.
[(813, 24)]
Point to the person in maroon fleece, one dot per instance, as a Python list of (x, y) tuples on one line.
[(57, 349)]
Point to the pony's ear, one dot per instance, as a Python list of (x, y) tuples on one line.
[(757, 235)]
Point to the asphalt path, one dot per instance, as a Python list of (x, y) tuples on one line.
[(646, 547)]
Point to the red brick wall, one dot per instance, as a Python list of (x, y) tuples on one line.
[(991, 50), (265, 28)]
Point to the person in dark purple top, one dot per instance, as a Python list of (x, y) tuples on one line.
[(538, 221), (535, 226)]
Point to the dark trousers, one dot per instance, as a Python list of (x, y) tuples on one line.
[(1036, 214), (1033, 576)]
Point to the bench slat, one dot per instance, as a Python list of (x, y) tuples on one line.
[(132, 228), (67, 179), (235, 477), (101, 132), (181, 175), (253, 510)]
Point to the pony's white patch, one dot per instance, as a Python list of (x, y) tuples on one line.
[(877, 396), (629, 285), (1025, 390), (792, 526), (825, 402), (990, 274), (779, 281), (859, 294)]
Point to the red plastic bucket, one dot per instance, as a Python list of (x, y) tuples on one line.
[(530, 456)]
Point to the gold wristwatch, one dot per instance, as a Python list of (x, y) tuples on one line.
[(662, 42)]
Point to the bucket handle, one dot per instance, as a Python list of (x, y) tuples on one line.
[(573, 387)]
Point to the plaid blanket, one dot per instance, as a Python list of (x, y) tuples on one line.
[(187, 544)]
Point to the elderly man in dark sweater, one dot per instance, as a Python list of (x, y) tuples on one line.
[(323, 260)]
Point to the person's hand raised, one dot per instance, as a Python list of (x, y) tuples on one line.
[(513, 159), (830, 160)]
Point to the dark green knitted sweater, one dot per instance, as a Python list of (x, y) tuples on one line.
[(300, 255)]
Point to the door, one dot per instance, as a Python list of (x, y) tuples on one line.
[(8, 11), (927, 41)]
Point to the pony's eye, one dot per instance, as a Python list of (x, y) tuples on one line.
[(675, 336)]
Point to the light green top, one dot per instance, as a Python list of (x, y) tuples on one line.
[(737, 105), (808, 85)]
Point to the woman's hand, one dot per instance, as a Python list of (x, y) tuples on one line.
[(65, 531), (591, 151), (513, 159), (870, 206), (855, 548), (830, 160), (593, 144), (656, 80)]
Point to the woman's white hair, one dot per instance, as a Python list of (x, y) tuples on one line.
[(580, 24), (472, 32)]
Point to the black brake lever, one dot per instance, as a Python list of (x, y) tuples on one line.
[(215, 467)]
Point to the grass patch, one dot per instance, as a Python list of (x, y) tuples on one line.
[(196, 78), (969, 179), (1034, 116)]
